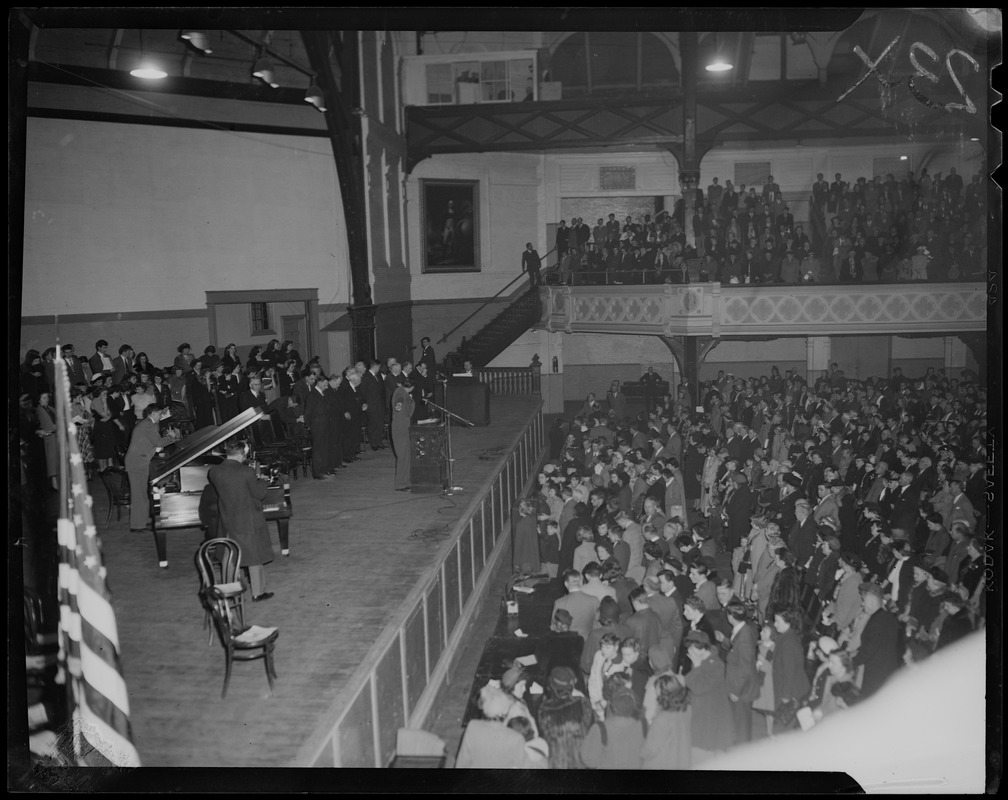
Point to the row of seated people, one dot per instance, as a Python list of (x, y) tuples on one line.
[(691, 560), (879, 231)]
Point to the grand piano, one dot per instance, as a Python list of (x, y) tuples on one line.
[(178, 478)]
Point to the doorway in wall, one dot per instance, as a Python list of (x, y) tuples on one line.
[(292, 329), (253, 317)]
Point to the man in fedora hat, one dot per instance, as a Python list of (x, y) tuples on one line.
[(878, 651), (802, 535)]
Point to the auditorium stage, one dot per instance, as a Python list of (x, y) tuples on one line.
[(351, 568)]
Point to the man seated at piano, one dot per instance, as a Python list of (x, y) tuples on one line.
[(145, 441), (240, 494), (467, 370)]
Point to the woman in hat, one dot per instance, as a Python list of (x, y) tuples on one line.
[(515, 682), (489, 743), (184, 360), (818, 656), (564, 719), (785, 592), (839, 690)]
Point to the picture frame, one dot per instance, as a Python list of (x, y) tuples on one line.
[(449, 223)]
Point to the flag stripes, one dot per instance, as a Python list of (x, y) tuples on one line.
[(89, 637)]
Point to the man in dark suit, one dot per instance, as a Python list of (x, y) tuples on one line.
[(667, 604), (581, 606), (100, 361), (319, 424), (560, 647), (373, 393), (905, 505), (336, 414), (532, 264), (302, 387), (391, 380), (562, 239), (879, 649), (252, 397), (802, 538), (352, 403), (740, 670), (77, 371), (122, 364), (240, 493), (957, 624), (644, 622), (427, 357), (738, 508), (649, 381)]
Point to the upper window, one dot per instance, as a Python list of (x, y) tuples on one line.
[(610, 63), (508, 80), (260, 314)]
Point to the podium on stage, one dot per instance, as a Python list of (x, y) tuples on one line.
[(467, 397), (429, 462)]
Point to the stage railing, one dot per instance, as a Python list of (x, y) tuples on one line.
[(515, 381), (400, 677)]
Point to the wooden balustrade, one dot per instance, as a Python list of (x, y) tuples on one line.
[(516, 381)]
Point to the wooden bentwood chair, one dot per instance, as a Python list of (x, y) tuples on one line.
[(223, 603)]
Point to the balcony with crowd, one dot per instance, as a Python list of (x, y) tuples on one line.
[(921, 228)]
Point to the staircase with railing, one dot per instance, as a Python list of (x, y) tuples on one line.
[(497, 335)]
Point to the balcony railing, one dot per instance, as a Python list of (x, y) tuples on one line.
[(710, 309)]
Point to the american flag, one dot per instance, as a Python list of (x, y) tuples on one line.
[(89, 639)]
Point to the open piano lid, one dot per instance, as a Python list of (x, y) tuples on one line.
[(203, 441)]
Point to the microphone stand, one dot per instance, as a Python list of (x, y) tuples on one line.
[(451, 488)]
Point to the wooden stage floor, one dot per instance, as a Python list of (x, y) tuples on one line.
[(352, 564)]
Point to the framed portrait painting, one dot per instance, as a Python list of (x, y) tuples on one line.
[(449, 217)]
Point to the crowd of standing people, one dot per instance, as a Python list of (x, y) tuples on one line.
[(744, 571)]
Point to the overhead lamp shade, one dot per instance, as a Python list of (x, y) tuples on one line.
[(149, 72), (198, 39), (715, 57), (315, 97), (263, 70)]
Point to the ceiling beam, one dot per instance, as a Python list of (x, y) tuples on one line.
[(113, 51), (343, 120), (92, 77)]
